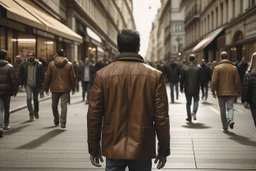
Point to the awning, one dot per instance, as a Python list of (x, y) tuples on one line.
[(207, 40), (17, 13), (93, 35), (31, 14)]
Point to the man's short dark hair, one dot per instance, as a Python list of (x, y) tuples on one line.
[(128, 40), (224, 55), (61, 52), (3, 54), (191, 57)]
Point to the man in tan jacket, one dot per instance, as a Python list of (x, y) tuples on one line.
[(61, 79), (131, 97), (226, 82)]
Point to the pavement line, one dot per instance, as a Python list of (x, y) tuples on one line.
[(215, 110), (239, 111), (254, 135), (194, 153)]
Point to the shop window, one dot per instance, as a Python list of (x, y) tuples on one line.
[(26, 43), (46, 48), (252, 49), (10, 45), (2, 38)]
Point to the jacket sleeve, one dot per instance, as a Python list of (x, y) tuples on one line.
[(238, 83), (245, 89), (47, 79), (215, 78), (14, 81), (162, 124), (94, 117), (73, 78)]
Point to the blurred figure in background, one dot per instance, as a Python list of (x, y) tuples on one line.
[(75, 67), (17, 64), (173, 77), (44, 63), (8, 88), (249, 88), (206, 78)]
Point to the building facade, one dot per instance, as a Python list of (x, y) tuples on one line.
[(167, 34), (82, 28), (212, 26)]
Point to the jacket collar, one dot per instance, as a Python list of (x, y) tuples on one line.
[(129, 57), (225, 61)]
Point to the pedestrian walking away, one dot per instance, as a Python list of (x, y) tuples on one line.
[(173, 76), (191, 76), (8, 88), (226, 82), (61, 80), (249, 88), (131, 96), (206, 78), (31, 76)]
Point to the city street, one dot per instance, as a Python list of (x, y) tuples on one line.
[(201, 145)]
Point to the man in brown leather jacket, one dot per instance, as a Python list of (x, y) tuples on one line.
[(8, 87), (61, 79), (226, 82), (131, 97)]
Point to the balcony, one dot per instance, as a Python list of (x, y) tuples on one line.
[(193, 14)]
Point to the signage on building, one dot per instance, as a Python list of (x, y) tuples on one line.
[(251, 29)]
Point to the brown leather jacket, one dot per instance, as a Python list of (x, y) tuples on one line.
[(130, 98), (225, 79), (60, 76), (8, 80)]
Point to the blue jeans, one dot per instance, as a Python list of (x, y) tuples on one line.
[(133, 165), (253, 111), (172, 84), (229, 102), (189, 102), (32, 91)]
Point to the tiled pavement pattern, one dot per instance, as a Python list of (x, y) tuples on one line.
[(38, 146)]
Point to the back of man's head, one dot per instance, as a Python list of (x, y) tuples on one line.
[(224, 55), (191, 57), (3, 54), (61, 52), (128, 41)]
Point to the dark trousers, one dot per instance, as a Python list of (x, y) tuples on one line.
[(6, 100), (172, 85), (133, 165), (86, 89), (253, 111), (204, 88), (64, 108), (189, 102)]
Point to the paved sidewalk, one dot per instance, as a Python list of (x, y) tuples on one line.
[(39, 146)]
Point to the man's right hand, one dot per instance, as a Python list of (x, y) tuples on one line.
[(160, 161), (47, 93), (214, 95)]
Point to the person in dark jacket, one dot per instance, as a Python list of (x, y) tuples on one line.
[(190, 83), (206, 78), (86, 74), (8, 88), (242, 67), (173, 76), (32, 77), (249, 88)]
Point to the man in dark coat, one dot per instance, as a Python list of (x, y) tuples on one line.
[(206, 78), (190, 83), (8, 87), (173, 76)]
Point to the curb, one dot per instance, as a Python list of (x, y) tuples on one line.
[(25, 106)]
